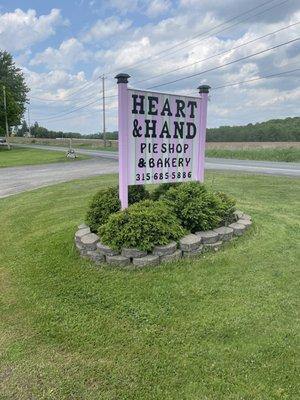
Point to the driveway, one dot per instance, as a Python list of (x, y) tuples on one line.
[(19, 179)]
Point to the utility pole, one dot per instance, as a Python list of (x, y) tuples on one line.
[(103, 110), (5, 112), (29, 127)]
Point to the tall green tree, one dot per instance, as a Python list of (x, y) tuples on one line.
[(13, 79), (23, 130)]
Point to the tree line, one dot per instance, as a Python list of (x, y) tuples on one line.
[(38, 131), (274, 130)]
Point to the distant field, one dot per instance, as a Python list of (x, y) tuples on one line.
[(290, 154), (98, 143), (251, 145), (93, 147), (24, 156)]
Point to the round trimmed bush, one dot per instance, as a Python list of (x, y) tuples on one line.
[(137, 193), (196, 207), (106, 202), (161, 189), (142, 225), (227, 207)]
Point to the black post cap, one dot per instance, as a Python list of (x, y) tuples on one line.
[(204, 89), (122, 78)]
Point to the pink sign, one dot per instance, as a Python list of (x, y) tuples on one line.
[(161, 137)]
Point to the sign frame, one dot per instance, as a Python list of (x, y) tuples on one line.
[(124, 131)]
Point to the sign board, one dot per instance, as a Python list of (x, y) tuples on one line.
[(164, 139), (161, 137)]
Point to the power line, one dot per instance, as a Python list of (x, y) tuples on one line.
[(89, 113), (225, 65), (48, 100), (274, 75), (55, 100), (81, 89), (218, 54), (69, 112), (58, 115), (82, 101), (88, 84), (130, 66), (255, 79), (187, 40), (84, 87)]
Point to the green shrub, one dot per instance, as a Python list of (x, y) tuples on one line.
[(161, 189), (103, 204), (137, 193), (227, 207), (196, 207), (106, 202), (142, 225)]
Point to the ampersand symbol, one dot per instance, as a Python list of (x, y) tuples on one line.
[(136, 129), (142, 163)]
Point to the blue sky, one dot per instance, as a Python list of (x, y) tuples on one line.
[(65, 46)]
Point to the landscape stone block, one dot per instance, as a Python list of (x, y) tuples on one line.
[(213, 246), (149, 260), (225, 233), (83, 226), (118, 260), (171, 257), (238, 229), (82, 232), (246, 216), (79, 246), (81, 249), (133, 253), (168, 249), (193, 253), (190, 242), (106, 250), (89, 241), (208, 236), (246, 222), (95, 256), (237, 214)]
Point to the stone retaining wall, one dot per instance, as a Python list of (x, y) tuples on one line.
[(192, 245)]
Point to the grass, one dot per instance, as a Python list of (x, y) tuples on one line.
[(290, 154), (25, 156), (223, 327), (93, 147)]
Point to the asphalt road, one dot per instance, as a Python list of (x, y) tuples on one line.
[(19, 179)]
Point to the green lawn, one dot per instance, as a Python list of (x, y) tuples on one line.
[(222, 327), (25, 156), (290, 154)]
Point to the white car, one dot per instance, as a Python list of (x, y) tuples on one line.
[(3, 142)]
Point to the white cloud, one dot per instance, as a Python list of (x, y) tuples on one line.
[(20, 30), (261, 99), (105, 28), (69, 53), (157, 7), (56, 84)]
